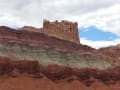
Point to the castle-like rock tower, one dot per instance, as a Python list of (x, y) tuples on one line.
[(64, 30)]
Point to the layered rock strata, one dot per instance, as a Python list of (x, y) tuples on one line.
[(35, 61), (20, 74), (26, 45)]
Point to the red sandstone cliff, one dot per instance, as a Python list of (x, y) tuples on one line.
[(25, 74), (64, 30), (38, 39), (16, 74), (112, 51)]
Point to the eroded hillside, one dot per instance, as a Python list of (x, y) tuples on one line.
[(26, 45), (35, 61)]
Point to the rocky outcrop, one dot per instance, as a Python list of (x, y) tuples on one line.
[(64, 30), (28, 45), (35, 39), (7, 66), (49, 63), (57, 74), (112, 51)]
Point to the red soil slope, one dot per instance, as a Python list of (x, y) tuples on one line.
[(29, 75)]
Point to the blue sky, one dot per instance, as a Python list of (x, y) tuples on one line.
[(98, 38), (95, 34)]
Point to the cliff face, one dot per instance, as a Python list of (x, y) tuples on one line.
[(30, 61), (30, 75), (112, 51), (64, 30), (26, 45)]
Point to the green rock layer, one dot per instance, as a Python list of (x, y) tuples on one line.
[(47, 56)]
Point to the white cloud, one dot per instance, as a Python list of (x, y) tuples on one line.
[(99, 44), (106, 19), (32, 12)]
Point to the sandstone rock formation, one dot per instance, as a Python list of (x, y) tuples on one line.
[(64, 30), (54, 77), (27, 45), (112, 51), (33, 60)]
